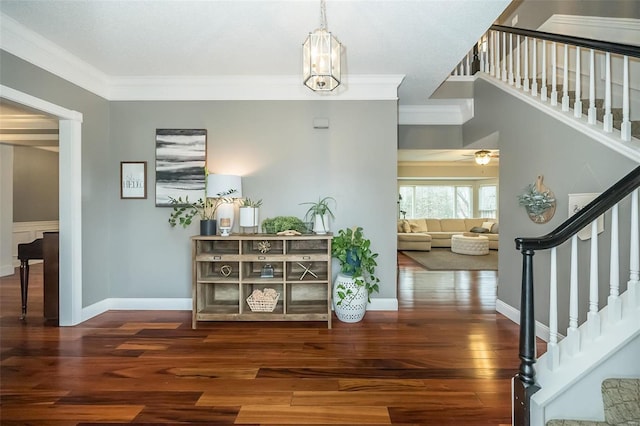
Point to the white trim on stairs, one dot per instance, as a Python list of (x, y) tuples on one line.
[(542, 331)]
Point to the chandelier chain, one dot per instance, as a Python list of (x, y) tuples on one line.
[(323, 15)]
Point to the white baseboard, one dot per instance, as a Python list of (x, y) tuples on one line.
[(6, 270), (542, 331), (185, 304), (136, 304), (383, 304)]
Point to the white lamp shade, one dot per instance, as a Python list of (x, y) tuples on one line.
[(218, 186)]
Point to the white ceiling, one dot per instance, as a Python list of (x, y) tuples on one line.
[(422, 40)]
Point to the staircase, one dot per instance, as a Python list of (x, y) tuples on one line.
[(581, 375), (621, 400)]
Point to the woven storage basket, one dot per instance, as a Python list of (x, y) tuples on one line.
[(263, 305)]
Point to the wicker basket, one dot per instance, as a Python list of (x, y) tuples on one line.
[(262, 305)]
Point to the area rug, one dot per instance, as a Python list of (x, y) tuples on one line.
[(442, 259)]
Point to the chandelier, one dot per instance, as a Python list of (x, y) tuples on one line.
[(321, 57), (483, 157)]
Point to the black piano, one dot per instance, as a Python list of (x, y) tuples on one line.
[(46, 249)]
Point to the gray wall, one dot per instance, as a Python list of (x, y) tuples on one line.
[(429, 137), (129, 250), (283, 160), (533, 143), (97, 172), (35, 184)]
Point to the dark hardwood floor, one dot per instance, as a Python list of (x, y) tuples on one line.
[(445, 358)]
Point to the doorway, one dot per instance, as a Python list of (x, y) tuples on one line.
[(70, 202)]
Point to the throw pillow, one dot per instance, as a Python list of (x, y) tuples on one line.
[(400, 225), (487, 225), (406, 228), (479, 230), (494, 228), (418, 226)]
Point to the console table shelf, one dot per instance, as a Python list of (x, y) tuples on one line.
[(226, 270)]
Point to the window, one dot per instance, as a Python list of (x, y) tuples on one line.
[(488, 201), (438, 201)]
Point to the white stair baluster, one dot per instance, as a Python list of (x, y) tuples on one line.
[(554, 78), (504, 57), (614, 302), (534, 68), (468, 64), (518, 76), (591, 112), (608, 116), (552, 347), (573, 334), (525, 82), (492, 56), (511, 78), (543, 86), (625, 129), (633, 285), (593, 316), (565, 80), (577, 105)]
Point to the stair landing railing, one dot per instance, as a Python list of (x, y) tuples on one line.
[(529, 61), (524, 382)]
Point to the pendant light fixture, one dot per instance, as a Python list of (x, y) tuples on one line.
[(321, 57)]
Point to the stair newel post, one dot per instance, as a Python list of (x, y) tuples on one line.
[(524, 382), (475, 63), (565, 79)]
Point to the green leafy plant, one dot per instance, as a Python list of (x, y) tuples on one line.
[(535, 201), (356, 258), (321, 207), (184, 210), (248, 202), (283, 223)]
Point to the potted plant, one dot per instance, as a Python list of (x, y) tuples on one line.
[(184, 210), (249, 213), (319, 212), (539, 201), (356, 280), (283, 223)]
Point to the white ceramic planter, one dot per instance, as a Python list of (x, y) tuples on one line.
[(353, 306)]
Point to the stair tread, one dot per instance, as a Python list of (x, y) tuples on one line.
[(621, 399)]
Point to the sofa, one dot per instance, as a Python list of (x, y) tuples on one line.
[(423, 234)]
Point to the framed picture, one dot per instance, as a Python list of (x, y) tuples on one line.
[(576, 203), (133, 179), (180, 164)]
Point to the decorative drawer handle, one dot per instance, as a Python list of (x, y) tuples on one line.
[(217, 257), (261, 257), (306, 257)]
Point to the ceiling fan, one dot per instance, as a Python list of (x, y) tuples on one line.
[(483, 156)]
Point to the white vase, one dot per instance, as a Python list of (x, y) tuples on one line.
[(249, 217), (321, 224), (353, 307)]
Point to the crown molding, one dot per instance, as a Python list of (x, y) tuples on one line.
[(437, 112), (32, 47)]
